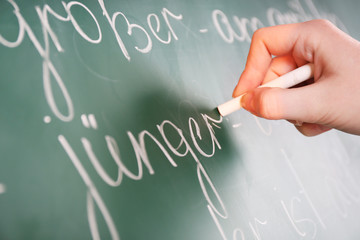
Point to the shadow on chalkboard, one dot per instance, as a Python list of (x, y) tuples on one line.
[(161, 135), (173, 115), (170, 196)]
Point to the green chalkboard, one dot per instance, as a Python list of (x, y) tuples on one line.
[(108, 128)]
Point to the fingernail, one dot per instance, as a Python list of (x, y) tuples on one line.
[(324, 128), (235, 92), (298, 123)]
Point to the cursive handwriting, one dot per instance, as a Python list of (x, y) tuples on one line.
[(94, 198), (163, 27), (244, 29)]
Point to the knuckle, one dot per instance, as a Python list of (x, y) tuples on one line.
[(321, 23), (258, 34)]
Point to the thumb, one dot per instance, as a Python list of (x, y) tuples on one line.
[(305, 104)]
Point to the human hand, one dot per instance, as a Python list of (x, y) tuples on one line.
[(332, 100)]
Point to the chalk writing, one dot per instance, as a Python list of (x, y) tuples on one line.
[(237, 125), (295, 221), (92, 195), (245, 27), (302, 189), (47, 119), (259, 122), (139, 148), (89, 121), (49, 70), (219, 18), (162, 27), (343, 195), (255, 227), (238, 233), (2, 188)]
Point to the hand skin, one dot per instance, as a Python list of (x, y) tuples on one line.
[(332, 100)]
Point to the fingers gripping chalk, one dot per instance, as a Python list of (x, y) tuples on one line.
[(287, 80)]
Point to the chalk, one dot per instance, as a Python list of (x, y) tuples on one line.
[(287, 80)]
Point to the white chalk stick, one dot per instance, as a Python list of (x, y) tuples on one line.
[(287, 80)]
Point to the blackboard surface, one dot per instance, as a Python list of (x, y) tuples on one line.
[(108, 128)]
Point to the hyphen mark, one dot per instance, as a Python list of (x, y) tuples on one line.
[(2, 188)]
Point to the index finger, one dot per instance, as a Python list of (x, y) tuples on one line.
[(266, 42)]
